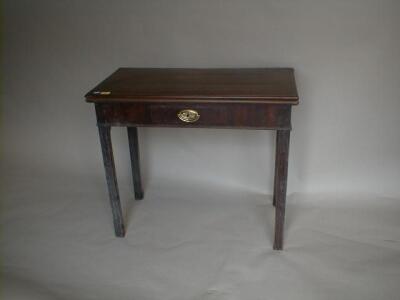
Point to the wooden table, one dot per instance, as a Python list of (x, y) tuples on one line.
[(258, 98)]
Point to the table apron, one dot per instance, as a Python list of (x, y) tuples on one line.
[(212, 115)]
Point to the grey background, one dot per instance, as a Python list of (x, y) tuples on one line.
[(345, 53), (205, 227)]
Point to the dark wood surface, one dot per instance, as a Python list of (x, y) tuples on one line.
[(212, 115), (257, 85)]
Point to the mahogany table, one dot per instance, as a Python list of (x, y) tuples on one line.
[(258, 98)]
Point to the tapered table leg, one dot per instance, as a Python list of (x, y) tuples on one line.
[(135, 163), (281, 171), (109, 166)]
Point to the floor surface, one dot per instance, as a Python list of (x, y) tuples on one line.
[(187, 241)]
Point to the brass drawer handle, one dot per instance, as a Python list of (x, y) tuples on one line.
[(188, 115)]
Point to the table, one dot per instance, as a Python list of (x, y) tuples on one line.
[(250, 98)]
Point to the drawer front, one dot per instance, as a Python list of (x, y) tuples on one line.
[(229, 115)]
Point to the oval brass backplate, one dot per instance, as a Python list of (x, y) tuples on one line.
[(188, 115)]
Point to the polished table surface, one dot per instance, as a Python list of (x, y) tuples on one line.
[(226, 85), (252, 98)]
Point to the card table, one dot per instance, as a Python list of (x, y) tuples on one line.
[(242, 98)]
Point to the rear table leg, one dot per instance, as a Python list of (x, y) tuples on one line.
[(135, 164)]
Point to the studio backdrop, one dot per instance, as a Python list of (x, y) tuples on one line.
[(346, 60)]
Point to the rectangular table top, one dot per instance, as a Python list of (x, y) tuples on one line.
[(243, 85)]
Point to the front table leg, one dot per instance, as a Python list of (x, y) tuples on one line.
[(111, 176), (281, 171)]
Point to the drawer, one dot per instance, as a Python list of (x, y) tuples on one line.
[(214, 115)]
